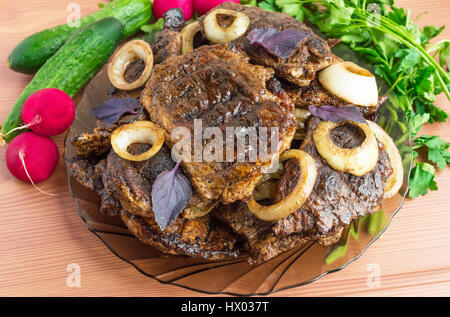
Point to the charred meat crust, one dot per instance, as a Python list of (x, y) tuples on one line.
[(90, 173), (200, 237), (218, 85), (169, 43), (312, 55), (98, 143), (261, 243), (337, 199)]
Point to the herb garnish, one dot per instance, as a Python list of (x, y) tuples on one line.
[(112, 109), (279, 43), (337, 114), (171, 192)]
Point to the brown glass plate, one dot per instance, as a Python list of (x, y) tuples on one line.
[(235, 276)]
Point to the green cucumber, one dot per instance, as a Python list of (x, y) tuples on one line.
[(80, 58), (30, 54)]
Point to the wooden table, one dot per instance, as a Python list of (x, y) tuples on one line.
[(41, 235)]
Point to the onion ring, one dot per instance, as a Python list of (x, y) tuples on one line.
[(301, 115), (217, 34), (297, 197), (188, 33), (131, 51), (395, 180), (137, 132), (357, 161), (351, 83)]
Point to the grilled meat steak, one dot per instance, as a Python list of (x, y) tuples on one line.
[(203, 237), (315, 95), (169, 43), (261, 243), (98, 143), (218, 85), (312, 54), (124, 188), (89, 172), (130, 183), (337, 199)]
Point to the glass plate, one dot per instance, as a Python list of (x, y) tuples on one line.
[(294, 268)]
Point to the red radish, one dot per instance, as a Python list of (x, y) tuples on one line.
[(203, 6), (32, 158), (162, 6), (48, 112)]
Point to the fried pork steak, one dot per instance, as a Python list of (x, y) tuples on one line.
[(337, 199), (125, 188), (316, 95), (218, 85), (311, 55)]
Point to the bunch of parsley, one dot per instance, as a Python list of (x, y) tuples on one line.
[(400, 53)]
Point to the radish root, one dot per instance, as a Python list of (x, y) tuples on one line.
[(37, 119), (21, 156)]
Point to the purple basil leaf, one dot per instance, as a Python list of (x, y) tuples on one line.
[(171, 192), (112, 109), (337, 114), (281, 44)]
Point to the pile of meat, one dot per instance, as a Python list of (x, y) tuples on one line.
[(230, 85)]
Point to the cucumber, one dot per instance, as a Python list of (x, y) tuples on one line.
[(30, 54), (71, 67)]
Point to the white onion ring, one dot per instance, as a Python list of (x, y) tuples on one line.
[(351, 83), (357, 161), (217, 34), (144, 132), (297, 197), (136, 49), (188, 33), (395, 180)]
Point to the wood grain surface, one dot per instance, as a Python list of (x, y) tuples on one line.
[(41, 235)]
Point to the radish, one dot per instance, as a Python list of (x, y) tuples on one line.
[(203, 6), (48, 111), (32, 158), (162, 6)]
